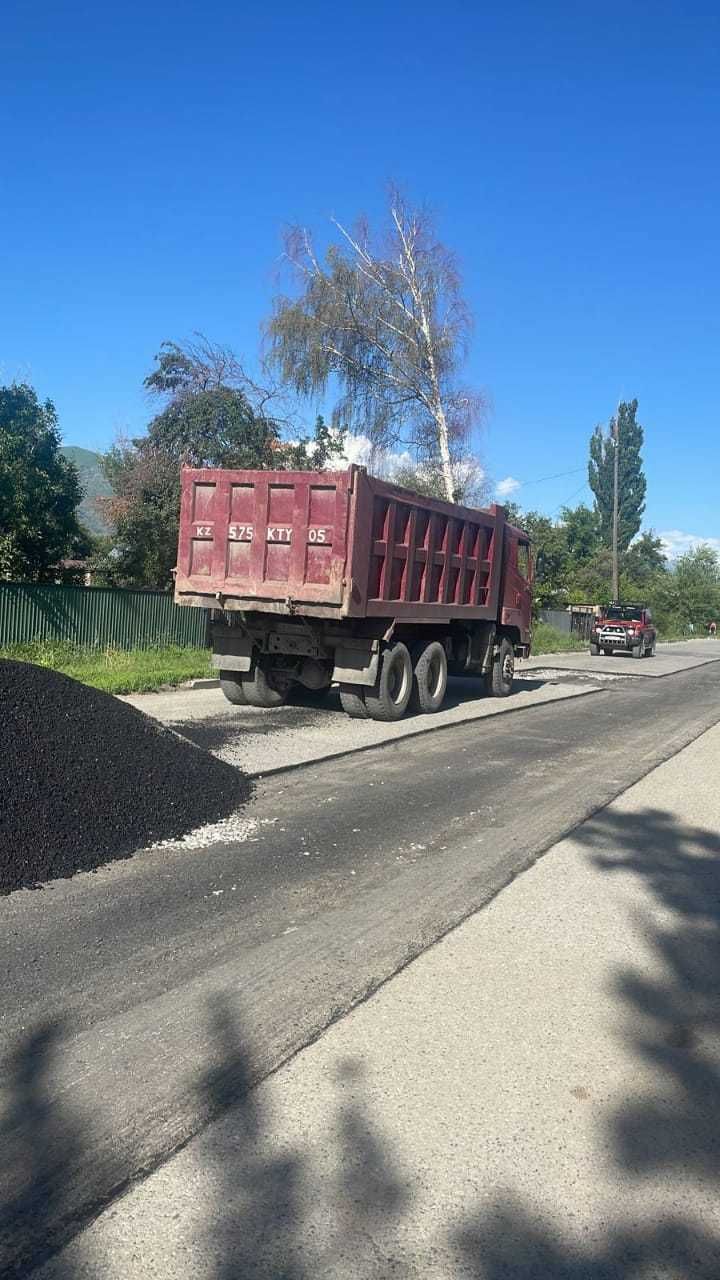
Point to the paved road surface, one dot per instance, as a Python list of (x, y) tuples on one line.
[(261, 742), (114, 1053), (537, 1097), (669, 659)]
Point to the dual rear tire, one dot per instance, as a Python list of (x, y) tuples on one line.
[(258, 688), (418, 681)]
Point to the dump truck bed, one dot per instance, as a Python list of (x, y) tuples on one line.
[(334, 544)]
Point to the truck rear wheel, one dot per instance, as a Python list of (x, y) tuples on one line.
[(499, 679), (352, 701), (429, 678), (390, 697), (232, 686), (262, 690)]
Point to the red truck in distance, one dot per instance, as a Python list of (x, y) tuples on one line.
[(628, 627), (336, 577)]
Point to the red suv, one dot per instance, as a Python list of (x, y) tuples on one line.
[(624, 626)]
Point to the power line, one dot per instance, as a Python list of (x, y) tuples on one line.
[(559, 475), (567, 501)]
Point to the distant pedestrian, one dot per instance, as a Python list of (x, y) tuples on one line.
[(713, 629), (691, 628)]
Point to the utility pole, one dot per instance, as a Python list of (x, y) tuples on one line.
[(616, 477)]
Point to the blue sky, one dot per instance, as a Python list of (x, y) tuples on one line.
[(151, 155)]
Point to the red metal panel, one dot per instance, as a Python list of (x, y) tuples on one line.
[(257, 535), (340, 540), (419, 558)]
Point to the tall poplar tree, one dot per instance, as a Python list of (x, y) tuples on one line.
[(631, 478)]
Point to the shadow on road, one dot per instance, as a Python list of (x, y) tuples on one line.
[(256, 1224), (40, 1146), (307, 709), (671, 1023), (271, 1215)]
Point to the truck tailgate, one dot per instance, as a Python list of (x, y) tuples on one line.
[(261, 536)]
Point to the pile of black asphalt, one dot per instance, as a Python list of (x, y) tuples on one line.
[(86, 779)]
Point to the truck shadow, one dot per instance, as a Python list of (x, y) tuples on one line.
[(307, 710)]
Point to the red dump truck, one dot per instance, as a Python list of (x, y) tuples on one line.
[(322, 577)]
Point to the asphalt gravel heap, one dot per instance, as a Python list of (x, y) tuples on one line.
[(86, 779)]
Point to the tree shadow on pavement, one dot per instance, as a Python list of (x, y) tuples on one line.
[(671, 1024), (39, 1148)]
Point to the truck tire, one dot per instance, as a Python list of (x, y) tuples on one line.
[(352, 701), (499, 679), (430, 675), (389, 699), (651, 650), (594, 650), (638, 650), (261, 691), (231, 684)]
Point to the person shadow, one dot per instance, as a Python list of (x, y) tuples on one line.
[(267, 1194)]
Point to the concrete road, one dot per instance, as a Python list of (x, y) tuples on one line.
[(121, 990), (669, 660), (262, 742), (536, 1096)]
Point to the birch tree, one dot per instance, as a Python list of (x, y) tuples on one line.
[(384, 321)]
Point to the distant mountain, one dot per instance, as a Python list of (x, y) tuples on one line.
[(94, 485)]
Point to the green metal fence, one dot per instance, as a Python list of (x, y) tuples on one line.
[(96, 617)]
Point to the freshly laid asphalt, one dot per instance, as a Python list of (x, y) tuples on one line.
[(119, 987)]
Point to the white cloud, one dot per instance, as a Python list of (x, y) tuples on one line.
[(382, 462), (387, 464), (676, 543), (505, 488)]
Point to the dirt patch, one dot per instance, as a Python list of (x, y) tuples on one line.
[(86, 779)]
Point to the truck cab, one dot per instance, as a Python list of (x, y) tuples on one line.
[(625, 627)]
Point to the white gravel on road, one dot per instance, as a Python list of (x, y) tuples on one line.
[(263, 741)]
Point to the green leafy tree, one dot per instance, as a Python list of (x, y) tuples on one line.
[(383, 319), (631, 476), (644, 559), (696, 586), (39, 489), (212, 416), (552, 560), (582, 532)]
